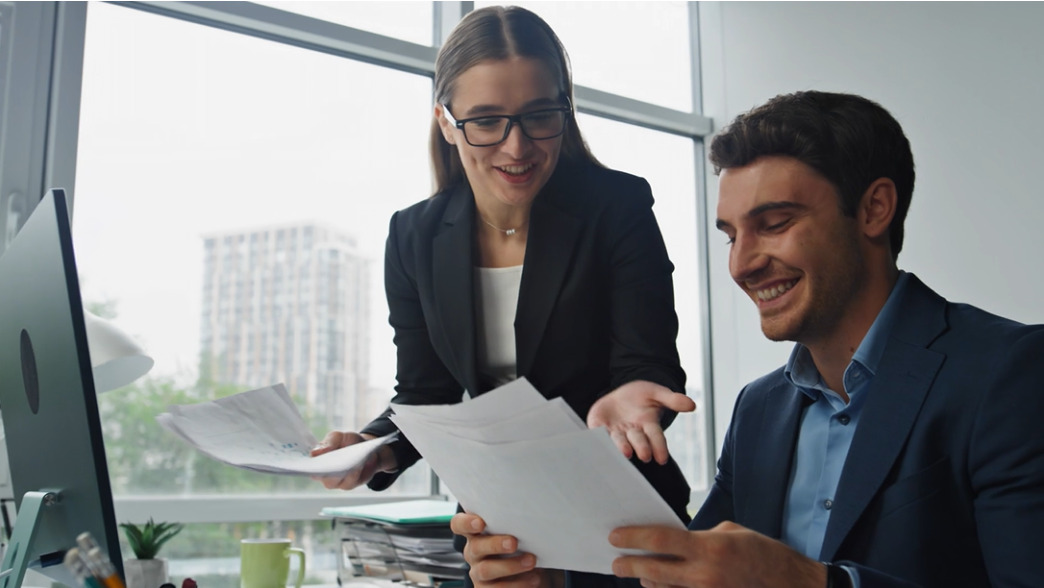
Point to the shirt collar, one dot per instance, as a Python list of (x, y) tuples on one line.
[(801, 372)]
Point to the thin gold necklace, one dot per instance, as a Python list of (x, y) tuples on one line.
[(507, 232)]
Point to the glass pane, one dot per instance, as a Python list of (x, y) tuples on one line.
[(636, 49), (668, 163), (232, 202), (409, 21)]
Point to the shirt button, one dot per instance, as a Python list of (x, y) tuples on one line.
[(828, 504), (844, 419)]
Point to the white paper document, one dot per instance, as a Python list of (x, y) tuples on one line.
[(532, 469), (261, 430)]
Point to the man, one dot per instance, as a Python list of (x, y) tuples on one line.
[(900, 445)]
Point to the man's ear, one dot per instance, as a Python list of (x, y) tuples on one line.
[(877, 208), (444, 126)]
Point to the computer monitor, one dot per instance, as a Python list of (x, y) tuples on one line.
[(48, 402)]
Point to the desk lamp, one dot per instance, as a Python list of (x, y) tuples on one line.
[(116, 360)]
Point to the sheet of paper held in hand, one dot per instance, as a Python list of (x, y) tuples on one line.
[(260, 430), (531, 468)]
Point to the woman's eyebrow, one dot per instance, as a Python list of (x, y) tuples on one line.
[(481, 109)]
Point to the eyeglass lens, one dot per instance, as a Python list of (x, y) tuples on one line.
[(543, 124)]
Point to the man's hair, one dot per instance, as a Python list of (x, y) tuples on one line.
[(849, 140)]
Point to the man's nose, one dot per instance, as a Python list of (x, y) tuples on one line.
[(746, 257)]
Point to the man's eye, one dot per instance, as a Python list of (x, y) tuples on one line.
[(777, 226)]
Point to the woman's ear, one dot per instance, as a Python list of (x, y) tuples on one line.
[(444, 125), (877, 208)]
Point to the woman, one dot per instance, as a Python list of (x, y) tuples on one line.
[(531, 259)]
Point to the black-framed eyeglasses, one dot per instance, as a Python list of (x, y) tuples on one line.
[(489, 130)]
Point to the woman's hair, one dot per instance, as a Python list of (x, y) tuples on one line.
[(491, 34)]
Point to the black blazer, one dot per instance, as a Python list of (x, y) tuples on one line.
[(944, 482), (595, 307)]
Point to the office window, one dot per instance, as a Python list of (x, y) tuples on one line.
[(409, 21), (190, 133), (668, 162), (640, 50)]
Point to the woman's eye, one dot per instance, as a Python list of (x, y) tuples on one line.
[(486, 123)]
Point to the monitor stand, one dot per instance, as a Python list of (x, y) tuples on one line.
[(29, 515)]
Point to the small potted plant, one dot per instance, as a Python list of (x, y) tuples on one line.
[(147, 571)]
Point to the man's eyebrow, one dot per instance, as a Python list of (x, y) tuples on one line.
[(769, 206), (762, 209)]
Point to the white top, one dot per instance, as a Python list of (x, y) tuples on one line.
[(496, 298)]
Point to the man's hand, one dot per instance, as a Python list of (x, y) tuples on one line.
[(494, 559), (727, 556), (382, 460), (632, 415)]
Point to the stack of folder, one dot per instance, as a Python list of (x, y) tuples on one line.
[(397, 540)]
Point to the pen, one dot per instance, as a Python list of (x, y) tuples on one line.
[(86, 542), (79, 568), (103, 569)]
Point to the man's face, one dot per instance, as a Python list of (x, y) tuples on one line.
[(791, 248)]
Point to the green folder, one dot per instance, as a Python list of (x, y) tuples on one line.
[(409, 512)]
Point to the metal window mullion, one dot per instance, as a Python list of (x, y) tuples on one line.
[(63, 119), (29, 36), (629, 110), (446, 16), (301, 31), (703, 252), (235, 508)]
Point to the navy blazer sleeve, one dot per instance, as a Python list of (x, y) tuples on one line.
[(422, 377), (641, 293)]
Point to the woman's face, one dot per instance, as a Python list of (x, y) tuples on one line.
[(512, 172)]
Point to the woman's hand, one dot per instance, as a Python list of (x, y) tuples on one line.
[(382, 460), (632, 415), (494, 559)]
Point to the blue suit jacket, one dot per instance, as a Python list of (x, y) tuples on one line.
[(944, 482)]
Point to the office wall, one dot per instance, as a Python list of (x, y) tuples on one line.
[(965, 81)]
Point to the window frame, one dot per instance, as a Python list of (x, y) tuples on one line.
[(59, 34)]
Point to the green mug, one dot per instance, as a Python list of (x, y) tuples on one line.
[(265, 563)]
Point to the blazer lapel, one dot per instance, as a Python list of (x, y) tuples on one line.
[(773, 453), (894, 400), (553, 235), (453, 284)]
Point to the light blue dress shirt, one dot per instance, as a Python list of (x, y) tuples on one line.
[(826, 431)]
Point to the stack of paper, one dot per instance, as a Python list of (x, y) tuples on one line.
[(532, 469), (261, 430), (391, 538), (405, 512)]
